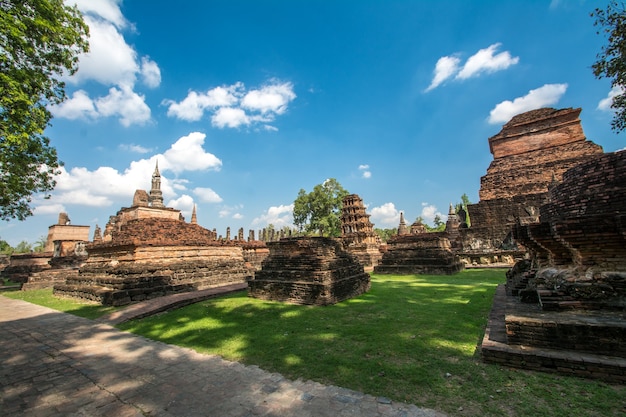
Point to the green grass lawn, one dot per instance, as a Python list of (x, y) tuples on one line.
[(45, 298), (410, 338)]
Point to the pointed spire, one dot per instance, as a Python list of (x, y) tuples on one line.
[(194, 218), (156, 196), (402, 229), (451, 212)]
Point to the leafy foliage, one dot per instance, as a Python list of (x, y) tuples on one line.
[(386, 234), (611, 61), (39, 41), (319, 211)]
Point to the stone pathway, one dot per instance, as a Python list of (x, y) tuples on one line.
[(56, 364)]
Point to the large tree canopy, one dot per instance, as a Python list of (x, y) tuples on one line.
[(320, 210), (40, 41), (611, 61)]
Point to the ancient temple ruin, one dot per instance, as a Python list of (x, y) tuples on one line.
[(531, 152), (309, 270), (563, 309), (357, 232), (417, 251), (148, 250), (64, 252)]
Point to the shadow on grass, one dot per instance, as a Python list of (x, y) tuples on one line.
[(405, 334)]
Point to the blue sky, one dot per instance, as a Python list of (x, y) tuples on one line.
[(243, 103)]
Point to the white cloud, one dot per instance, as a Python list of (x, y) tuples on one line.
[(385, 215), (150, 72), (445, 68), (184, 203), (484, 61), (365, 171), (106, 186), (229, 117), (105, 9), (429, 212), (49, 209), (278, 216), (237, 216), (233, 107), (207, 195), (187, 154), (110, 59), (78, 106), (192, 107), (134, 148), (125, 103), (113, 63), (605, 103), (544, 96), (272, 98)]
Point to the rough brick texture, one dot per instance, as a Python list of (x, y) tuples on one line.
[(423, 253), (306, 270)]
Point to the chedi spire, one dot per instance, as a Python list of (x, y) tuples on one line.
[(156, 196)]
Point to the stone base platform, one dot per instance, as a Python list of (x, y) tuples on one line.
[(508, 312)]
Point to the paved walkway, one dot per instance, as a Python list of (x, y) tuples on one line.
[(56, 364)]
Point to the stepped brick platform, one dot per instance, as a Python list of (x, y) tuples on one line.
[(23, 265), (309, 270), (152, 257), (523, 336), (422, 253)]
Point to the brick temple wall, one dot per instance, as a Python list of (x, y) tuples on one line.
[(305, 270)]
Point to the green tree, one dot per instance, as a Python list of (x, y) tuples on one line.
[(386, 234), (23, 247), (5, 248), (611, 61), (319, 211), (40, 245), (40, 41)]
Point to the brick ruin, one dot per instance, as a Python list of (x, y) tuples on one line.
[(531, 152), (148, 250), (309, 270), (563, 309), (417, 251), (64, 252), (357, 232)]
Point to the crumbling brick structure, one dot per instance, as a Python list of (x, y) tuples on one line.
[(357, 232), (152, 257), (309, 270), (531, 152), (562, 310), (419, 253)]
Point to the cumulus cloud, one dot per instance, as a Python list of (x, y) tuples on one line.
[(544, 96), (445, 68), (129, 106), (187, 154), (365, 172), (150, 72), (113, 63), (106, 186), (605, 103), (233, 107), (134, 148), (429, 212), (385, 215), (184, 203), (207, 195), (484, 61), (279, 216)]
